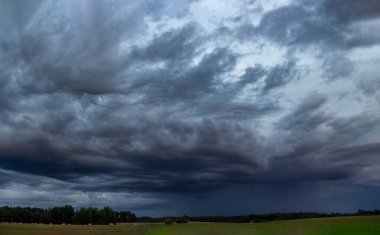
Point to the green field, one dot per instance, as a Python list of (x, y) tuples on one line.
[(364, 225)]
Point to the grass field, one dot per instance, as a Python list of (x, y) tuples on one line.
[(40, 229), (364, 225), (368, 225)]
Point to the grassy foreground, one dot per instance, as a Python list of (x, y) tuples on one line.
[(363, 225), (42, 229)]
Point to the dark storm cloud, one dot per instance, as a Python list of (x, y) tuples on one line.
[(348, 11), (295, 25), (310, 152), (368, 153), (191, 82), (45, 54), (349, 127), (94, 99), (325, 23), (218, 153), (71, 159), (308, 115), (343, 14), (172, 46), (280, 75), (252, 74), (212, 155), (332, 26)]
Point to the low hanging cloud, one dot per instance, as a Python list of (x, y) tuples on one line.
[(155, 102)]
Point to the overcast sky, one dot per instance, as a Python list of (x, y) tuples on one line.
[(190, 107)]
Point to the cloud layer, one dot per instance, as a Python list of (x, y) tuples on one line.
[(144, 104)]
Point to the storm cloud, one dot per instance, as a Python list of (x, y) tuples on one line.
[(144, 105)]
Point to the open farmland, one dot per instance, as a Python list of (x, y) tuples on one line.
[(43, 229), (368, 225), (363, 225)]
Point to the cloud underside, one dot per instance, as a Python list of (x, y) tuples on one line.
[(149, 98)]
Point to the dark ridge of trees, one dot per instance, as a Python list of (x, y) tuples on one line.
[(256, 218), (168, 221), (126, 216), (182, 220), (65, 215)]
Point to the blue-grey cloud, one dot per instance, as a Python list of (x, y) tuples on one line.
[(159, 102), (280, 75)]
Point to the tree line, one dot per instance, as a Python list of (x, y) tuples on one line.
[(254, 218), (65, 215), (106, 215)]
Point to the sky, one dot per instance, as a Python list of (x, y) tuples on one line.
[(197, 107)]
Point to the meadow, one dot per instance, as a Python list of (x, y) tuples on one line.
[(359, 225)]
